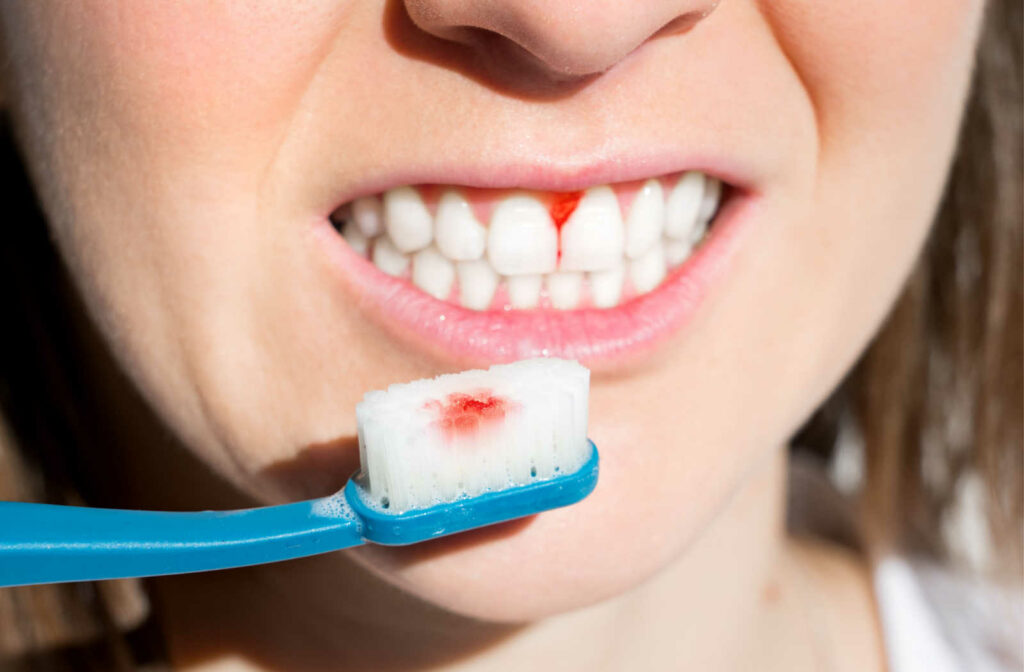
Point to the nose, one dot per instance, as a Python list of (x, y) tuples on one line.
[(567, 39)]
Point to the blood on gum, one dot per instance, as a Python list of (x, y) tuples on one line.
[(561, 209)]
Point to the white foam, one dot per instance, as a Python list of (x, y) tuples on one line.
[(410, 462), (334, 506)]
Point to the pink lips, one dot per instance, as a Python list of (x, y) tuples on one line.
[(596, 337)]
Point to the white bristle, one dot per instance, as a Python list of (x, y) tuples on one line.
[(410, 460)]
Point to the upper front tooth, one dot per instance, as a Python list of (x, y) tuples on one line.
[(459, 236), (522, 239), (709, 203), (646, 219), (369, 216), (593, 237), (433, 273), (564, 289), (683, 205), (407, 219)]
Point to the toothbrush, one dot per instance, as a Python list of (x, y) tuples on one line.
[(437, 457)]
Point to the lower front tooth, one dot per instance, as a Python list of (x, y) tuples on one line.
[(477, 282), (355, 238), (676, 251), (606, 287), (433, 273), (649, 270), (523, 290), (387, 258), (564, 289)]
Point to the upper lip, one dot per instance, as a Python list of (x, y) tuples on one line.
[(546, 174)]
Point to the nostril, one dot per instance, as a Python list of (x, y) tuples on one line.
[(684, 23), (557, 42)]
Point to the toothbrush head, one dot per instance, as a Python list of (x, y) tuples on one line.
[(472, 448), (465, 513)]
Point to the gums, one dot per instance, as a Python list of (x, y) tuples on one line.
[(561, 209)]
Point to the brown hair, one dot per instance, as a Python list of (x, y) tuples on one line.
[(936, 399)]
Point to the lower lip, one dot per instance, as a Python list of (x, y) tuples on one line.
[(599, 338)]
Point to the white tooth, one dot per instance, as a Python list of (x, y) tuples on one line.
[(646, 219), (387, 258), (683, 205), (606, 287), (709, 203), (564, 289), (459, 236), (355, 238), (677, 251), (523, 290), (369, 215), (593, 236), (649, 270), (522, 239), (407, 219), (477, 282), (433, 273)]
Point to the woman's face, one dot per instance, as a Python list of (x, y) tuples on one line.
[(190, 156)]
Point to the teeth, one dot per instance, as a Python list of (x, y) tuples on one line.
[(597, 257), (646, 219), (433, 273), (564, 289), (522, 239), (606, 286), (369, 216), (459, 235), (649, 270), (683, 205), (523, 290), (676, 251), (407, 219), (356, 240), (477, 284), (709, 203), (593, 236), (388, 259)]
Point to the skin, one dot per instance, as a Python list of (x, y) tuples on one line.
[(182, 150)]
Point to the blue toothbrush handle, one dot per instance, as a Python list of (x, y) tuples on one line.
[(46, 543)]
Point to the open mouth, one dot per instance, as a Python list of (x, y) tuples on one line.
[(515, 250), (483, 275)]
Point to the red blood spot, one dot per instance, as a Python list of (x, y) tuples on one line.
[(463, 414), (561, 209)]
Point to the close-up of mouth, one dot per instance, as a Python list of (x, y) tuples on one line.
[(498, 274)]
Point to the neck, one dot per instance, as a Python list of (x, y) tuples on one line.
[(307, 615)]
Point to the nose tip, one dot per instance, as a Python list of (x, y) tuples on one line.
[(566, 39)]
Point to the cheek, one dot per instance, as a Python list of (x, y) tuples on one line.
[(878, 69), (214, 71)]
